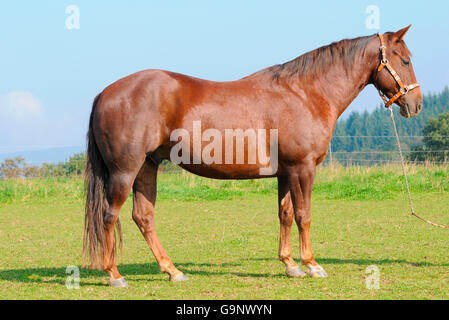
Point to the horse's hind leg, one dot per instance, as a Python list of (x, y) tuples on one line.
[(118, 189), (286, 216), (144, 198)]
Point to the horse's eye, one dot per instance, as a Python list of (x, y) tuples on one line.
[(405, 62)]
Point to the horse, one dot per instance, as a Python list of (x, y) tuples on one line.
[(132, 122)]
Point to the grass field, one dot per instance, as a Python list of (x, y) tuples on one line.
[(224, 236)]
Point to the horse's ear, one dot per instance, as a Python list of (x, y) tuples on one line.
[(399, 35)]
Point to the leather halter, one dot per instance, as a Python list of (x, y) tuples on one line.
[(385, 63)]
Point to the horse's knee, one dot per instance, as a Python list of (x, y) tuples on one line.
[(304, 224), (303, 218)]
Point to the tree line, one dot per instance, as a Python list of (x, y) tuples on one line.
[(18, 168), (369, 136)]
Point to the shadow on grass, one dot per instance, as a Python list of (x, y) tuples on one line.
[(380, 262), (46, 275), (99, 278), (330, 261)]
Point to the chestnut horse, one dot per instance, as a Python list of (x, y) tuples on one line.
[(132, 120)]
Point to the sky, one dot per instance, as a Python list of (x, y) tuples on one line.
[(51, 71)]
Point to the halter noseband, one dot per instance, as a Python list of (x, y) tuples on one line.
[(385, 63)]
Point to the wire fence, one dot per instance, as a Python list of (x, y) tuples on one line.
[(368, 150)]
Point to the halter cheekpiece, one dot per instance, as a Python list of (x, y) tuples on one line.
[(385, 63)]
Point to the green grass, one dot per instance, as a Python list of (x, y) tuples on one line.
[(224, 236), (331, 183)]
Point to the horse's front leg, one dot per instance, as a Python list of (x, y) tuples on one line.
[(286, 216), (301, 183)]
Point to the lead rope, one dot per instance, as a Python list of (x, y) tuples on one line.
[(405, 176)]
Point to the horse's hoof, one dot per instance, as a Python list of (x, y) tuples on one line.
[(295, 272), (316, 271), (179, 277), (119, 283)]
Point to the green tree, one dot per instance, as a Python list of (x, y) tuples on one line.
[(31, 171), (51, 170), (18, 168), (12, 168), (75, 165), (436, 141)]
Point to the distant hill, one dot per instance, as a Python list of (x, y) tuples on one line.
[(37, 157)]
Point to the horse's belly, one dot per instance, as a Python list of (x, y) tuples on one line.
[(230, 171)]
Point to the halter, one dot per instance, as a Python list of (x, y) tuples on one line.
[(385, 63)]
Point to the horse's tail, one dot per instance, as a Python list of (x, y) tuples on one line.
[(95, 184)]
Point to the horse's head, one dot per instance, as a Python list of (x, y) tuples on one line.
[(395, 78)]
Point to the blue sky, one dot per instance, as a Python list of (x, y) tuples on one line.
[(51, 74)]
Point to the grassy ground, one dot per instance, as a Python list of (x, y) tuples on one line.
[(224, 236)]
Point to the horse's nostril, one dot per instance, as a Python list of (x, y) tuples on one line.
[(419, 107)]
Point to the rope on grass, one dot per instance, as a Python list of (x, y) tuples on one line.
[(405, 177)]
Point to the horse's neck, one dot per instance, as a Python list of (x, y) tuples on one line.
[(339, 86), (356, 82)]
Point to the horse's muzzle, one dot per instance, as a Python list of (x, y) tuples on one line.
[(407, 112)]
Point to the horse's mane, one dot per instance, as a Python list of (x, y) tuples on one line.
[(318, 60)]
